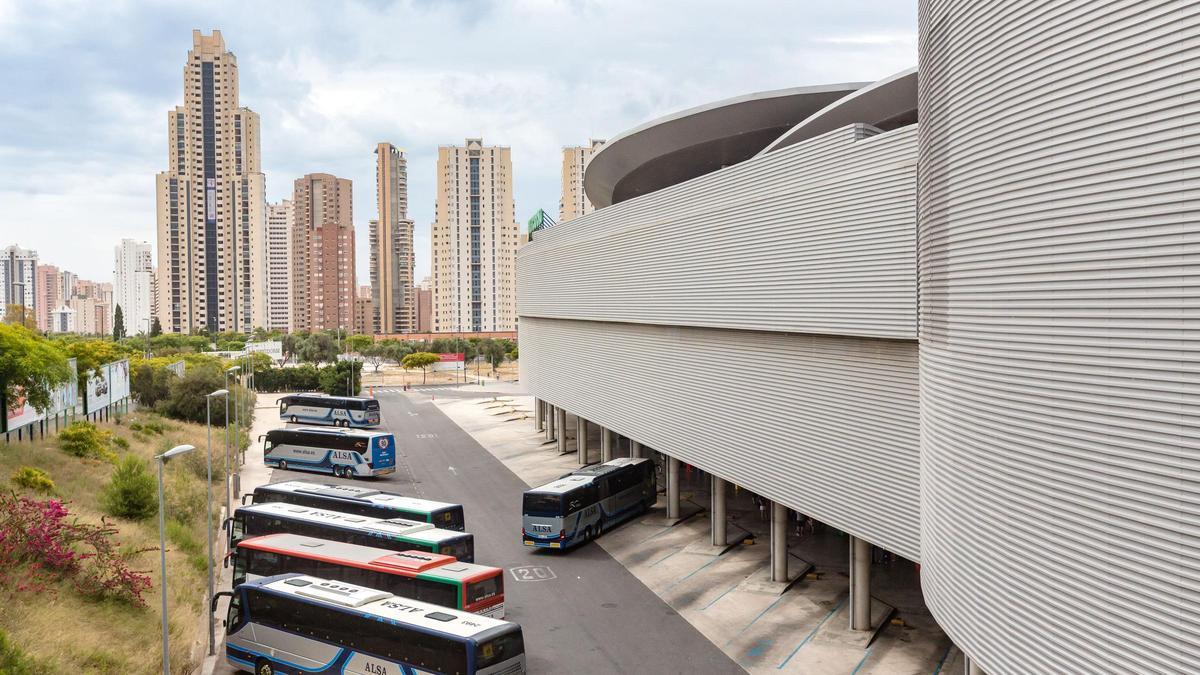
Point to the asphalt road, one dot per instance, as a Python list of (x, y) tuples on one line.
[(584, 613)]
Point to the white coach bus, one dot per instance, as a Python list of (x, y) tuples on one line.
[(338, 411), (294, 623), (586, 502), (346, 453)]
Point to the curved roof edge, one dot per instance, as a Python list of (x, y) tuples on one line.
[(689, 143), (887, 104)]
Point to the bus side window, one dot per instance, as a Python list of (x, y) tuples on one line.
[(234, 618)]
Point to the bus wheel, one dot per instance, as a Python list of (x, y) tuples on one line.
[(293, 419), (283, 464), (263, 667)]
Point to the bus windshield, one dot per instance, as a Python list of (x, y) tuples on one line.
[(539, 504), (498, 649)]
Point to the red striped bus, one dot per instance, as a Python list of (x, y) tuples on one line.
[(429, 577)]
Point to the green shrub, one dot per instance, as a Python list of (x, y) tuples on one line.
[(196, 549), (185, 497), (132, 493), (84, 439), (32, 478), (154, 427), (15, 662), (135, 426), (120, 442)]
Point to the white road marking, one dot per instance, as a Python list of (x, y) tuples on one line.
[(452, 470)]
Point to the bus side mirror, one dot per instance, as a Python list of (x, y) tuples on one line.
[(212, 609), (260, 437), (245, 497)]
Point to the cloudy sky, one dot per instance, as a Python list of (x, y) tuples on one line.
[(86, 87)]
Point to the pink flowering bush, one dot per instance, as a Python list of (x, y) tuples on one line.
[(39, 544)]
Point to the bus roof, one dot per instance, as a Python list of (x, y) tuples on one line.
[(371, 602), (585, 475), (407, 563), (332, 397), (355, 492), (393, 526), (332, 431)]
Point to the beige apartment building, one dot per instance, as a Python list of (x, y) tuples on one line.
[(474, 240), (364, 313), (49, 295), (393, 308), (280, 220), (574, 201), (424, 295), (211, 202), (322, 254)]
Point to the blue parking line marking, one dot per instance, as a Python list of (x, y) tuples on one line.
[(760, 615), (814, 632), (942, 661), (714, 600), (863, 660), (690, 574)]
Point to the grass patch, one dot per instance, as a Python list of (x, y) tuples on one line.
[(60, 631)]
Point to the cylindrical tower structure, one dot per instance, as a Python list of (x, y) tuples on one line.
[(1059, 258)]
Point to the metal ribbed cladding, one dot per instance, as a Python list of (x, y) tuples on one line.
[(826, 425), (1059, 293), (819, 237)]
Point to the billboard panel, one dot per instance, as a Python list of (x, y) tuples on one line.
[(19, 412), (108, 384)]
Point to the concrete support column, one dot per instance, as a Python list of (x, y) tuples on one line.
[(539, 414), (672, 488), (550, 415), (971, 666), (606, 445), (779, 552), (560, 422), (635, 448), (581, 440), (860, 584), (719, 533)]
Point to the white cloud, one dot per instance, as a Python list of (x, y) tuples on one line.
[(87, 87)]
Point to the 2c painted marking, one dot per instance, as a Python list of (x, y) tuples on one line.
[(533, 573)]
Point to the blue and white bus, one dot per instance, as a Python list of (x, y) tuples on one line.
[(346, 453), (362, 501), (394, 534), (337, 411), (586, 502), (294, 623)]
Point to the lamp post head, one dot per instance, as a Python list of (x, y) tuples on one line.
[(233, 369), (177, 450), (218, 393)]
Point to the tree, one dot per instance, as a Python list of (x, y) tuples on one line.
[(30, 366), (90, 355), (187, 400), (334, 379), (316, 348), (357, 343), (20, 315), (420, 360), (155, 328), (118, 323), (376, 355), (396, 350)]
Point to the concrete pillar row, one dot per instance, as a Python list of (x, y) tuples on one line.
[(606, 445), (581, 440), (860, 584), (719, 524), (971, 666), (672, 488), (560, 422), (539, 414), (635, 448), (550, 422)]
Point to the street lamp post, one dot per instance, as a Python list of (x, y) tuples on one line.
[(232, 369), (211, 562), (162, 547)]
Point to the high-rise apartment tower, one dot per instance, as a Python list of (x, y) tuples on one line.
[(574, 202), (133, 277), (280, 220), (211, 208), (322, 254), (474, 240), (393, 308)]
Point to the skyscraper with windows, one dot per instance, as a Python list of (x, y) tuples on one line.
[(391, 241), (574, 202), (474, 240), (322, 254), (133, 277), (280, 220), (18, 283), (211, 207)]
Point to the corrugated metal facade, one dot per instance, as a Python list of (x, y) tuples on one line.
[(814, 238), (826, 425), (1060, 282), (627, 318)]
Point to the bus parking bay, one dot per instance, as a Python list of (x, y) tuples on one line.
[(580, 612)]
